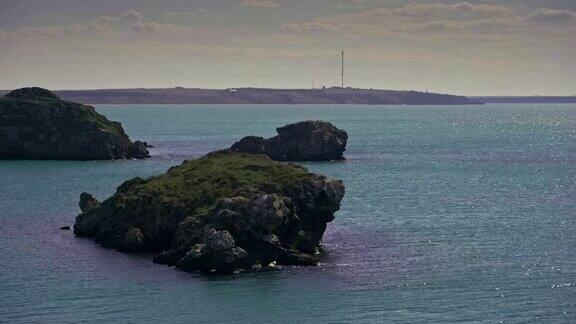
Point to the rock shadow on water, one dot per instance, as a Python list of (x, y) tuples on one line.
[(359, 257)]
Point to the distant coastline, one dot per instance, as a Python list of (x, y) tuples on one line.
[(254, 96), (179, 95)]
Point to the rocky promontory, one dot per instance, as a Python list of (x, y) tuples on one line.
[(36, 124), (223, 212), (302, 141)]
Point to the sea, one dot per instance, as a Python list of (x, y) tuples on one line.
[(451, 214)]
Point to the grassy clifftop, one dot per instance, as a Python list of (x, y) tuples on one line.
[(220, 174), (67, 116)]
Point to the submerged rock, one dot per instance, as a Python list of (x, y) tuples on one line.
[(221, 213), (303, 141), (36, 124)]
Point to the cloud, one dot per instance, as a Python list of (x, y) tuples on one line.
[(416, 20), (463, 9), (408, 17), (553, 16), (131, 20), (133, 15), (289, 39), (311, 26), (479, 26), (156, 27), (6, 36), (259, 3), (349, 6), (129, 16), (186, 14), (56, 31)]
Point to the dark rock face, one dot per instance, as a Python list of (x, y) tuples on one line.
[(303, 141), (87, 202), (221, 213), (37, 124)]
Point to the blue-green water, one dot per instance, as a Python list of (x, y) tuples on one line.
[(451, 214)]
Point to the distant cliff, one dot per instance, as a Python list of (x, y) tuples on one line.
[(262, 96)]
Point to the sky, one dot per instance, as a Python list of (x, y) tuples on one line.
[(487, 47)]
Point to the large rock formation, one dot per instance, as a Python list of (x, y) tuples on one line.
[(303, 141), (37, 124), (224, 212)]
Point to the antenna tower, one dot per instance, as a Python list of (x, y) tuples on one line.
[(342, 71)]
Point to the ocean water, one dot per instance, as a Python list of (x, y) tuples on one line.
[(451, 214)]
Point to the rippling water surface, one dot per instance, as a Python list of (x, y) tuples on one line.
[(451, 214)]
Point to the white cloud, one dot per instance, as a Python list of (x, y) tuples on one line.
[(156, 27), (129, 16), (5, 36), (357, 5), (259, 3), (186, 14), (553, 16), (133, 15), (131, 20), (457, 10), (56, 31), (415, 20)]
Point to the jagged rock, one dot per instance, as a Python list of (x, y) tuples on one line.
[(303, 141), (133, 240), (251, 144), (87, 202), (218, 253), (36, 124), (221, 213), (88, 205)]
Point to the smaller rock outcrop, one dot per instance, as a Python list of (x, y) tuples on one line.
[(303, 141), (36, 124)]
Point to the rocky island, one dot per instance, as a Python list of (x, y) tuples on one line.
[(36, 124), (302, 141), (221, 213)]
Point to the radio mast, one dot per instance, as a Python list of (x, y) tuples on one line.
[(342, 71)]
